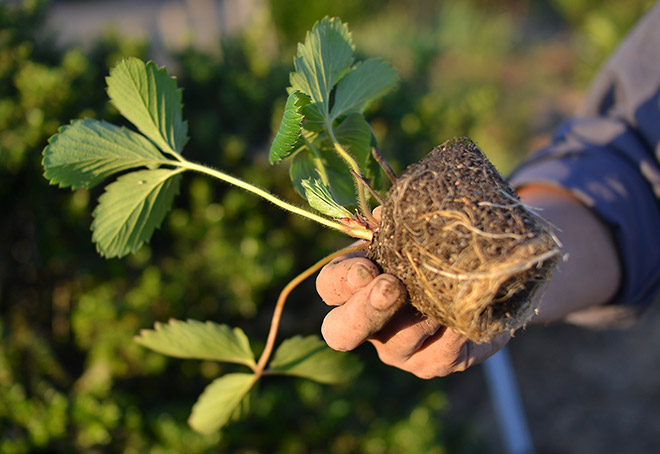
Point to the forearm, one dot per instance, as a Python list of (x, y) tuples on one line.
[(590, 275)]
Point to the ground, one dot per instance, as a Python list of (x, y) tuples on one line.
[(584, 391)]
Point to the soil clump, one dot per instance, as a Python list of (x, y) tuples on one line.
[(470, 254)]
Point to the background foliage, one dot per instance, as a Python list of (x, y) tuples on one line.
[(71, 380)]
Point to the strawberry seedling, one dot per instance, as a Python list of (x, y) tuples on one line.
[(470, 254)]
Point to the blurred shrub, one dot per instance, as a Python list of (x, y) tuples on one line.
[(599, 25), (70, 378)]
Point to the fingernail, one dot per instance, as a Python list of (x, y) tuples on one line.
[(359, 275), (384, 295)]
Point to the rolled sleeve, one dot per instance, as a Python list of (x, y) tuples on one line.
[(608, 156), (604, 163)]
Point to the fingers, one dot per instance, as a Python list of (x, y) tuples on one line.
[(340, 279), (438, 355), (377, 212), (370, 306), (405, 333), (363, 314)]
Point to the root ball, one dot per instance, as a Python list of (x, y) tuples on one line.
[(470, 254)]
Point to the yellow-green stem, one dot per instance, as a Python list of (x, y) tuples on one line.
[(353, 165), (279, 306), (355, 232)]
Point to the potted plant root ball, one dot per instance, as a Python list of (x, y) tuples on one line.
[(470, 254)]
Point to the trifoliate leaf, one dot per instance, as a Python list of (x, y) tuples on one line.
[(318, 196), (325, 56), (290, 127), (219, 401), (148, 96), (366, 82), (310, 357), (84, 153), (199, 340), (131, 209)]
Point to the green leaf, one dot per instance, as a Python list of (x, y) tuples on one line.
[(354, 134), (148, 96), (219, 401), (325, 56), (366, 82), (303, 166), (290, 127), (131, 209), (319, 197), (330, 168), (199, 340), (309, 357), (84, 153), (342, 185)]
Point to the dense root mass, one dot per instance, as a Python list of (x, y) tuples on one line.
[(470, 254)]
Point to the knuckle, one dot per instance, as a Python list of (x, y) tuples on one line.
[(360, 271), (340, 279)]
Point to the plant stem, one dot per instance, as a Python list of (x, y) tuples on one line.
[(382, 162), (355, 232), (318, 161), (373, 192), (279, 306)]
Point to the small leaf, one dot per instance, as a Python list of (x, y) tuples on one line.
[(342, 185), (199, 340), (219, 401), (322, 60), (366, 82), (290, 127), (84, 153), (330, 168), (355, 135), (304, 166), (319, 197), (131, 209), (309, 357), (148, 96)]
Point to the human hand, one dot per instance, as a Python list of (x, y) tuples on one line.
[(372, 307)]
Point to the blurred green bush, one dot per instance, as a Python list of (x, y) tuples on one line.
[(71, 380)]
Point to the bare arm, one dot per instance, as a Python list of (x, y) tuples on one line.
[(591, 273)]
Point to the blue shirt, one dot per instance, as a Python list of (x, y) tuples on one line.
[(608, 156)]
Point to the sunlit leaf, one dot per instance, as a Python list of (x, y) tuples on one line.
[(310, 357), (366, 82), (131, 209), (318, 196), (219, 401), (198, 340), (290, 127), (322, 60), (148, 96), (84, 153)]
